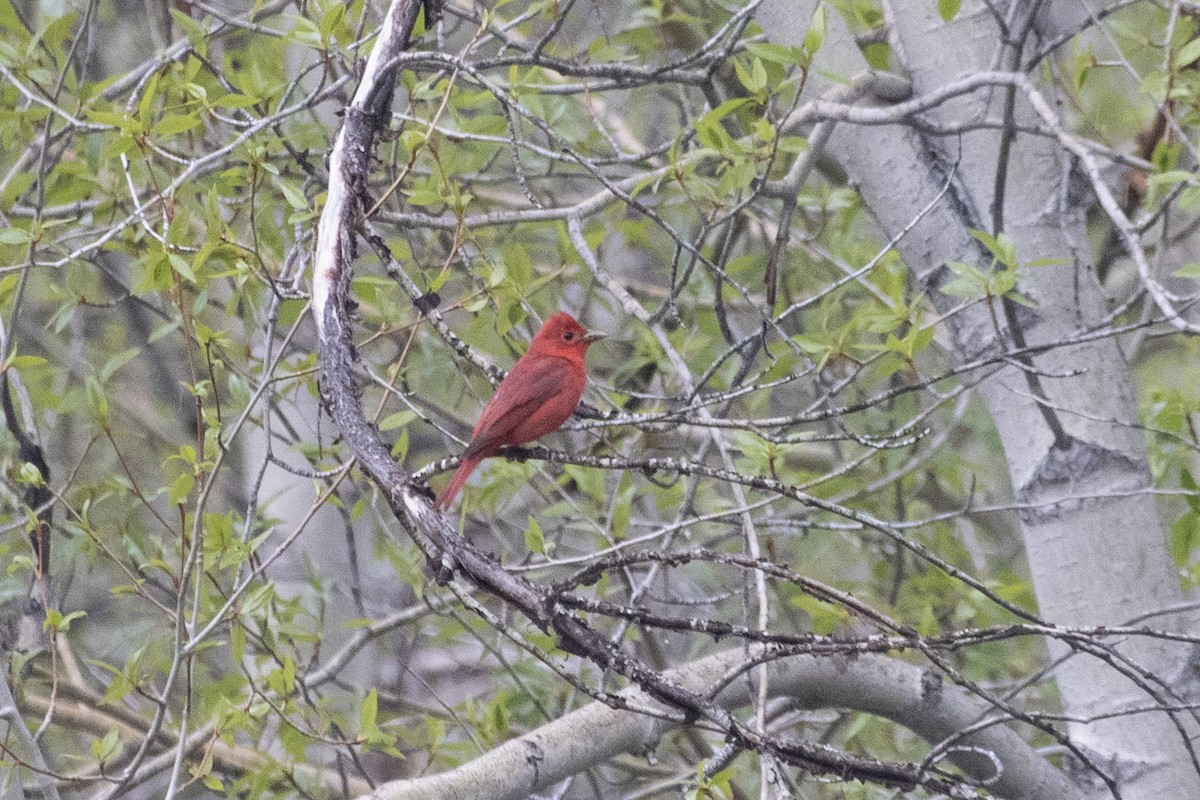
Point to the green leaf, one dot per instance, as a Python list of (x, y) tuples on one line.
[(759, 72), (293, 195), (961, 287), (425, 197), (725, 109), (174, 124), (237, 642), (332, 18), (119, 689), (419, 25), (235, 100), (411, 140), (814, 37), (1185, 533), (1004, 282), (15, 236), (105, 748), (825, 618), (305, 32), (181, 266), (1083, 62), (535, 542), (294, 742), (283, 680), (191, 28), (764, 129), (971, 282), (30, 475), (145, 107), (1188, 484), (708, 127), (368, 712), (776, 53), (117, 361), (1001, 246), (1048, 262), (1187, 54), (397, 420), (26, 362), (878, 55), (1170, 177), (964, 270), (400, 448), (754, 78), (948, 9), (179, 489), (57, 621)]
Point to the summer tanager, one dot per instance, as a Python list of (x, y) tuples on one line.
[(534, 399)]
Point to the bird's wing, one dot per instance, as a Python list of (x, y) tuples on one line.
[(529, 386)]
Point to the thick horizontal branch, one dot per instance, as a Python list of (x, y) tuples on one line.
[(908, 695)]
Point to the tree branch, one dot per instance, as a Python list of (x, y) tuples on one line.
[(445, 551), (878, 685)]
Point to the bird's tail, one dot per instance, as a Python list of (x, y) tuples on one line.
[(468, 465)]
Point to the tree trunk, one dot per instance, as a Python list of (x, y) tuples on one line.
[(1097, 549)]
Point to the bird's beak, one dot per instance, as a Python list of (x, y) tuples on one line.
[(593, 336)]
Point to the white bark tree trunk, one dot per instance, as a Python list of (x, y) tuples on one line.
[(1097, 549)]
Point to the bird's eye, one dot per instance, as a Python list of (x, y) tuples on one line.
[(569, 335)]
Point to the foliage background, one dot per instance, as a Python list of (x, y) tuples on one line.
[(222, 577)]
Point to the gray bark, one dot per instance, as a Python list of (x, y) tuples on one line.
[(911, 696), (1097, 549)]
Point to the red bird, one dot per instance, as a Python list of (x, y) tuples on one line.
[(534, 399)]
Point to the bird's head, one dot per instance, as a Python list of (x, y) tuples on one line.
[(563, 334)]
